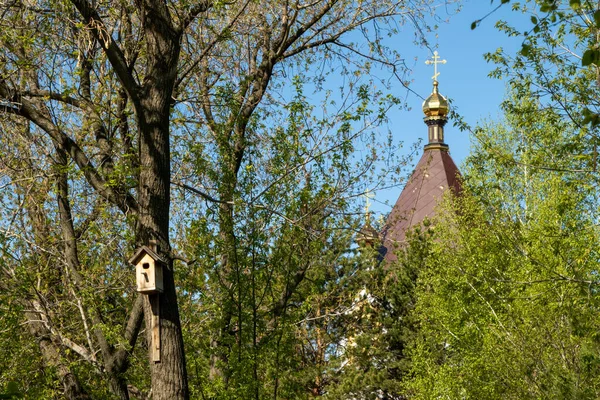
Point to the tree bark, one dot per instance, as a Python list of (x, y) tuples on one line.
[(169, 378), (51, 353)]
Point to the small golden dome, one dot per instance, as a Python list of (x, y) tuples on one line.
[(435, 105), (367, 236)]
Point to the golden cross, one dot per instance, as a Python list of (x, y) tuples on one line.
[(436, 60), (368, 195)]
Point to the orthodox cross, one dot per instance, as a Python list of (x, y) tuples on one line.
[(368, 195), (436, 60)]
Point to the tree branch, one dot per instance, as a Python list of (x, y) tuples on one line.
[(126, 203), (11, 108), (285, 44), (201, 7), (53, 96), (199, 193), (132, 330), (208, 47), (110, 47), (290, 289)]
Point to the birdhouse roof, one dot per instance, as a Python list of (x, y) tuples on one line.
[(142, 251)]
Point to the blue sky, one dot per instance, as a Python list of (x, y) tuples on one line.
[(464, 79)]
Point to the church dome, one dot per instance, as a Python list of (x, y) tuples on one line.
[(367, 236), (435, 105)]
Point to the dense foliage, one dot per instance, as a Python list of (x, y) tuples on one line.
[(507, 303)]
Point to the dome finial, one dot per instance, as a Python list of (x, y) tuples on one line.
[(436, 109), (436, 104), (435, 61), (367, 236)]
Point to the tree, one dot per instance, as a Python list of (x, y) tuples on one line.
[(375, 363), (94, 111), (512, 275), (559, 56), (275, 317), (507, 302)]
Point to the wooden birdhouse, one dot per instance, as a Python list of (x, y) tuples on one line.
[(148, 270)]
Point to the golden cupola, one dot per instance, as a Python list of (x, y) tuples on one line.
[(367, 236), (436, 110), (435, 105)]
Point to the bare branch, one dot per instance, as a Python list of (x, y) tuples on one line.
[(126, 203), (53, 96), (82, 351), (118, 362), (209, 46), (178, 257), (200, 193), (201, 7), (110, 47)]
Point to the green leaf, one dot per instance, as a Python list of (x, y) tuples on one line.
[(590, 57), (590, 118), (575, 4), (597, 18), (534, 20), (12, 387), (549, 6)]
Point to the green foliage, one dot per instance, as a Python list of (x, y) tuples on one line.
[(265, 159), (508, 299), (559, 56), (272, 293), (375, 362), (11, 392)]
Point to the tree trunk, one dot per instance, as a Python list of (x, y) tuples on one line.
[(169, 378), (51, 353)]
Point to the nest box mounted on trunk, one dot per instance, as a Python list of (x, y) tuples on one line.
[(148, 270)]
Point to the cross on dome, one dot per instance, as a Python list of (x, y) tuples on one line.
[(368, 195), (435, 61)]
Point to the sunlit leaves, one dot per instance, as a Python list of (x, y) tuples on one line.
[(512, 275)]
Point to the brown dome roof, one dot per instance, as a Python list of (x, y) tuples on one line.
[(434, 174)]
